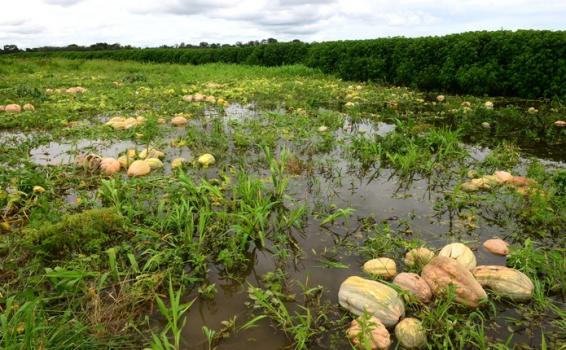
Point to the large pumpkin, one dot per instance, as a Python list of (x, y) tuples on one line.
[(443, 272)]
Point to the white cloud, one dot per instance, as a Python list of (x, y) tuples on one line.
[(29, 23)]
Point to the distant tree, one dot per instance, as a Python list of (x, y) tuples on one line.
[(271, 41), (10, 48), (203, 44)]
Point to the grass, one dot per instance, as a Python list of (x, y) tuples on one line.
[(305, 179)]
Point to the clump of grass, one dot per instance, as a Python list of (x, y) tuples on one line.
[(86, 232)]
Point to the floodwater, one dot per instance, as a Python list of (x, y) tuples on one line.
[(377, 196)]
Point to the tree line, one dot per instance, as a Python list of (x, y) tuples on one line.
[(524, 63)]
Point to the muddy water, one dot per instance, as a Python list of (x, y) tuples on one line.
[(379, 198)]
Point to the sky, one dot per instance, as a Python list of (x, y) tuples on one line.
[(32, 23)]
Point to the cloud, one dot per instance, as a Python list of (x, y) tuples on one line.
[(29, 23), (64, 3)]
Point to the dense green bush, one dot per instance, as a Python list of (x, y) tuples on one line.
[(526, 63)]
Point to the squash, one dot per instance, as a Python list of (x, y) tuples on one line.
[(418, 257), (410, 333), (110, 166), (139, 168), (179, 121), (206, 159), (13, 108), (460, 253), (359, 295), (415, 285), (496, 246), (505, 281), (381, 267), (376, 338), (442, 272)]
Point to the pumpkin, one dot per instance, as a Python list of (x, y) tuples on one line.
[(560, 123), (110, 166), (13, 108), (382, 267), (322, 128), (496, 246), (532, 110), (188, 98), (177, 163), (415, 285), (76, 90), (359, 295), (179, 121), (488, 104), (125, 161), (503, 176), (154, 163), (440, 98), (161, 121), (505, 281), (198, 97), (418, 257), (90, 162), (206, 159), (210, 99), (151, 153), (410, 333), (460, 253), (139, 168), (28, 107), (485, 125), (442, 272), (376, 338), (38, 189)]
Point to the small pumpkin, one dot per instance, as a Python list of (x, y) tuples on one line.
[(110, 166), (139, 168), (415, 285), (154, 163), (496, 246), (410, 333), (418, 257), (13, 108), (206, 160), (28, 107), (381, 267), (505, 281), (461, 253), (179, 121), (125, 161), (38, 189), (440, 98), (151, 153), (177, 163), (376, 338), (503, 176)]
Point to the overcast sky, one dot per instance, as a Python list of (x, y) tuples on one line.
[(30, 23)]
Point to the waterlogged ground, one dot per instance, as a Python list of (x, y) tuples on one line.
[(312, 177)]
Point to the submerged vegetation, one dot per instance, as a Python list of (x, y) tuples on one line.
[(271, 187)]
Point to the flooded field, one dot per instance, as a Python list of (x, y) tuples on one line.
[(265, 189)]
